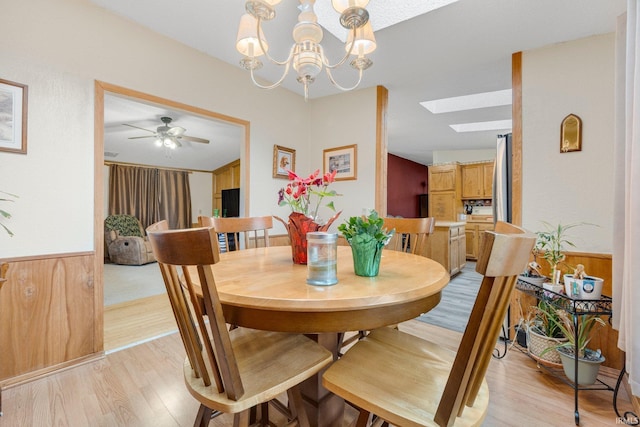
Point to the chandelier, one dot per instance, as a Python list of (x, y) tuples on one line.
[(306, 56)]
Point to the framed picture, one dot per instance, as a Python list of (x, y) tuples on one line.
[(284, 159), (571, 134), (13, 117), (344, 160)]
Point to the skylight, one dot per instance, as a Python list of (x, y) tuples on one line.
[(382, 13), (469, 102), (482, 126)]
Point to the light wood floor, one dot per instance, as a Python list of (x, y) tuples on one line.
[(143, 386), (134, 322)]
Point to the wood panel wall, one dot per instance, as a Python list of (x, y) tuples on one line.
[(47, 314), (598, 265)]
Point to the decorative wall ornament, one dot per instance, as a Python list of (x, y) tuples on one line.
[(571, 134)]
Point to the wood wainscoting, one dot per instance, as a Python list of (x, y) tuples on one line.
[(48, 315), (595, 264)]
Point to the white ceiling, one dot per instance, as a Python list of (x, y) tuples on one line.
[(461, 49)]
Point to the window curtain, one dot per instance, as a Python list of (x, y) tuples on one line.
[(150, 195), (626, 249), (174, 198)]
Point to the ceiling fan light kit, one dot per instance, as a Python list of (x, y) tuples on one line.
[(168, 136), (307, 54)]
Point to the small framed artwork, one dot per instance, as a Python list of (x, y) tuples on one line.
[(571, 134), (13, 117), (344, 160), (284, 159)]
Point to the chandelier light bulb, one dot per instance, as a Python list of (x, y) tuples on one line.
[(247, 41), (365, 41)]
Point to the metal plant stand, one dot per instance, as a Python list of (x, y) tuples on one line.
[(576, 308)]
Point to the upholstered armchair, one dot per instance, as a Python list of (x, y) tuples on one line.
[(126, 241)]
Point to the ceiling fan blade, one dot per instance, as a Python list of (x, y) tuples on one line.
[(137, 127), (176, 131), (194, 139), (140, 137)]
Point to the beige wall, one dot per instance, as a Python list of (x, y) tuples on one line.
[(59, 48), (574, 77)]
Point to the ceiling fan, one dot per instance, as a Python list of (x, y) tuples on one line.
[(168, 136)]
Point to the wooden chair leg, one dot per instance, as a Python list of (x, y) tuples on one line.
[(241, 419), (203, 417), (296, 406), (363, 418)]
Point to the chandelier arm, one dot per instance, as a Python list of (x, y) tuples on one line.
[(342, 61), (276, 84), (266, 53), (344, 89)]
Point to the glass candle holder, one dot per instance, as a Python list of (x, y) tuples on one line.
[(322, 258)]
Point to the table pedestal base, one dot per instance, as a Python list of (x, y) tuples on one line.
[(324, 408)]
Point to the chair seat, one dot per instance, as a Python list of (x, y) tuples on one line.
[(410, 376), (265, 362)]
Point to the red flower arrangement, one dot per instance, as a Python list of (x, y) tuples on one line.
[(304, 195)]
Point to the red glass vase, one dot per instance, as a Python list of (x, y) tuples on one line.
[(298, 226)]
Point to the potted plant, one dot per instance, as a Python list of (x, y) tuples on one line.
[(6, 197), (551, 244), (366, 236), (304, 196), (580, 285), (543, 332), (577, 329)]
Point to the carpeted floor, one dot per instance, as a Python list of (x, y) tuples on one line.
[(457, 300), (130, 282)]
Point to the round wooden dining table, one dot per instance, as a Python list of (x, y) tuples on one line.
[(261, 288)]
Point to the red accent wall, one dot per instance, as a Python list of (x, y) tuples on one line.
[(406, 180)]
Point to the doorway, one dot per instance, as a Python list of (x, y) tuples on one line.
[(133, 117)]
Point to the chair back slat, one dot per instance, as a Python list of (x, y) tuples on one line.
[(246, 227), (158, 226), (182, 254), (411, 234), (505, 254)]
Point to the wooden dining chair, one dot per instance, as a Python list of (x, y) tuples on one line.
[(229, 371), (411, 234), (161, 225), (252, 229), (408, 381)]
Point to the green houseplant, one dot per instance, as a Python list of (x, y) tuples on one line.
[(366, 236), (578, 331), (6, 197), (551, 245), (543, 332)]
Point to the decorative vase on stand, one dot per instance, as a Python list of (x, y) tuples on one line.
[(366, 257), (297, 227)]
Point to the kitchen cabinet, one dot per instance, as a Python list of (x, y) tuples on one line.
[(473, 234), (444, 191), (224, 178), (447, 245), (477, 180)]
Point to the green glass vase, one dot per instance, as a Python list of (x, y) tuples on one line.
[(366, 257)]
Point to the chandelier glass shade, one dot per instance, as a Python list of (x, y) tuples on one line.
[(306, 55), (167, 141)]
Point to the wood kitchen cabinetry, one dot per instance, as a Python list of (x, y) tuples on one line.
[(477, 180), (444, 192), (224, 178), (473, 234), (447, 245)]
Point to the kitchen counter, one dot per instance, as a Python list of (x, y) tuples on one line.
[(447, 245)]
